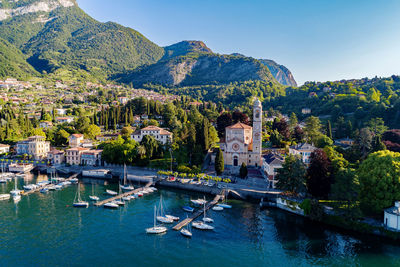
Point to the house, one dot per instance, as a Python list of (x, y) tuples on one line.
[(64, 119), (305, 110), (392, 217), (73, 155), (91, 157), (35, 146), (271, 163), (160, 134), (61, 111), (56, 156), (303, 150), (87, 143), (75, 140), (4, 149), (344, 143), (45, 124), (107, 137), (123, 100)]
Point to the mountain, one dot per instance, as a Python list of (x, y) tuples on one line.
[(13, 62), (280, 72), (199, 68), (57, 34), (185, 47)]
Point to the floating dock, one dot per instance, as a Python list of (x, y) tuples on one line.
[(209, 205), (25, 193), (100, 203)]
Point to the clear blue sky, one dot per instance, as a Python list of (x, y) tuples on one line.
[(317, 40)]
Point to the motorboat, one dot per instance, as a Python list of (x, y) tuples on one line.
[(51, 187), (29, 187), (58, 186), (140, 194), (111, 205), (225, 206), (156, 229), (119, 202), (94, 198), (78, 202), (202, 225), (5, 196), (188, 209), (217, 208), (44, 190), (74, 180), (111, 193), (127, 198), (3, 180), (172, 217)]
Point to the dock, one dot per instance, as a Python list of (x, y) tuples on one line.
[(209, 205), (25, 193), (101, 203)]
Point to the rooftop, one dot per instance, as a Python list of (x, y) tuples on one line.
[(239, 125)]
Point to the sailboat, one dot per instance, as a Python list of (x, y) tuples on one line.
[(111, 205), (186, 231), (160, 214), (111, 193), (225, 205), (205, 218), (78, 202), (119, 202), (16, 192), (202, 225), (125, 186), (156, 229), (93, 197)]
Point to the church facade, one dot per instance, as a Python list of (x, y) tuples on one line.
[(243, 143)]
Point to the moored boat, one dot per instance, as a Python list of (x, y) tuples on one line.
[(78, 202), (5, 196), (188, 209), (111, 193), (217, 208), (202, 225), (156, 229), (111, 205)]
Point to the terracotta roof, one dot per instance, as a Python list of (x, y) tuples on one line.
[(77, 135), (239, 125), (155, 128), (78, 149)]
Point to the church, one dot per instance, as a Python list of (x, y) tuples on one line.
[(243, 143)]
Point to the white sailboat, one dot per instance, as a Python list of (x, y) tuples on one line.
[(160, 214), (16, 191), (111, 205), (202, 225), (4, 196), (125, 186), (156, 229), (224, 204), (93, 197), (186, 231), (217, 208), (78, 202), (111, 193), (205, 218)]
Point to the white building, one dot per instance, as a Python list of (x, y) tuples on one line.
[(56, 156), (392, 217), (303, 151), (4, 148), (75, 140), (45, 124), (305, 110), (35, 146), (64, 119), (271, 163), (160, 134)]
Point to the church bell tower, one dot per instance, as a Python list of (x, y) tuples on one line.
[(257, 132)]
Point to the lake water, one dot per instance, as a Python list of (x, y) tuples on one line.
[(44, 230)]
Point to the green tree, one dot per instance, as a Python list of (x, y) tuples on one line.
[(329, 130), (377, 126), (92, 131), (37, 131), (312, 129), (319, 178), (61, 138), (243, 170), (346, 189), (379, 181), (377, 144), (292, 176), (293, 121), (219, 162)]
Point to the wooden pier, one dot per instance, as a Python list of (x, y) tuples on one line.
[(25, 193), (100, 203), (209, 205)]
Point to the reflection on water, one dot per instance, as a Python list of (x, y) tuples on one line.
[(43, 229)]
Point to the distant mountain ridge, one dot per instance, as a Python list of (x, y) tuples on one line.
[(57, 36)]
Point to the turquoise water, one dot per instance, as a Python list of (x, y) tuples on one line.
[(44, 230)]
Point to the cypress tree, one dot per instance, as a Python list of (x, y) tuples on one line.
[(329, 130), (377, 144), (219, 162), (205, 134), (243, 170)]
